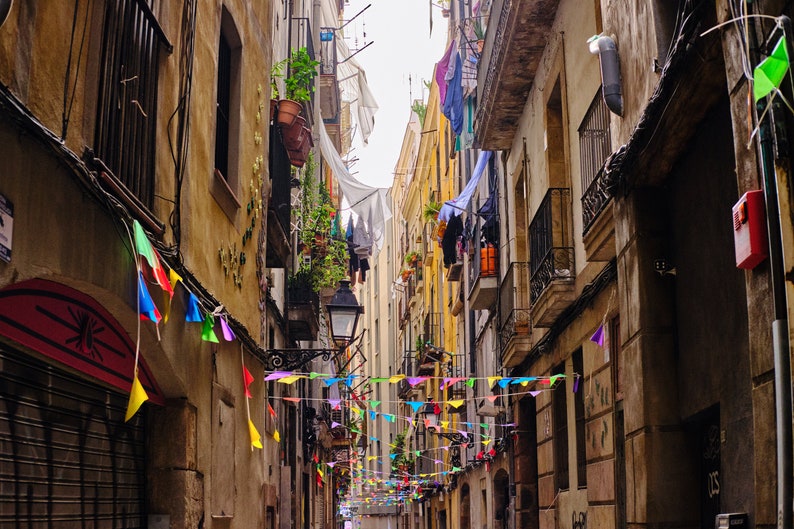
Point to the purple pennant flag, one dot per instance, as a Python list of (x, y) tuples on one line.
[(598, 336), (275, 375), (576, 385), (228, 334), (335, 424), (534, 393), (334, 403)]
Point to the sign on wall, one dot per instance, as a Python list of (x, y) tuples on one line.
[(6, 228)]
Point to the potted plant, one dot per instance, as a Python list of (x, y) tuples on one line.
[(276, 73), (431, 210), (411, 257), (327, 263), (299, 86)]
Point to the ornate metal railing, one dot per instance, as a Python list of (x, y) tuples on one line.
[(514, 302), (557, 264), (595, 199), (594, 148)]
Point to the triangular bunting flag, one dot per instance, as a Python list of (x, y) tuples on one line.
[(207, 332), (598, 336), (247, 379), (148, 310), (137, 397), (193, 310), (228, 334), (768, 75), (256, 439)]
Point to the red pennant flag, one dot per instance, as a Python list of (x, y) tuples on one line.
[(315, 458), (271, 410), (247, 379)]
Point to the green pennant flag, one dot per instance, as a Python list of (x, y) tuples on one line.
[(470, 382), (207, 333), (768, 75)]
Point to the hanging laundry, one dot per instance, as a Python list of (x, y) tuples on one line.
[(450, 240), (453, 105)]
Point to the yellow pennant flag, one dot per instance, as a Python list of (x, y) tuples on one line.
[(276, 436), (457, 403), (493, 380), (137, 397), (256, 439), (396, 378), (290, 379)]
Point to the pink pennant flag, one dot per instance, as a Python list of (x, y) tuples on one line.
[(228, 334), (292, 399), (275, 375), (492, 398)]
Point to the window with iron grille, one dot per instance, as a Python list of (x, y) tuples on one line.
[(127, 97), (594, 147)]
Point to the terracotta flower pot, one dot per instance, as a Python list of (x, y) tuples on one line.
[(297, 157), (293, 135), (288, 111)]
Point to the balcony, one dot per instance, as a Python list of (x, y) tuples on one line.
[(514, 315), (455, 269), (514, 44), (431, 352), (484, 267), (598, 230), (279, 206), (328, 85), (404, 389), (303, 310), (552, 268)]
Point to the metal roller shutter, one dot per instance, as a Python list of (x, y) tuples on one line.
[(67, 458)]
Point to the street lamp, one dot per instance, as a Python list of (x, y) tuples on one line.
[(431, 424), (343, 315)]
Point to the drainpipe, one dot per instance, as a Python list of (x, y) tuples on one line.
[(611, 90), (771, 129)]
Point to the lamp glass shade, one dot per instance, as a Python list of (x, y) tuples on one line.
[(430, 415), (343, 323), (343, 312)]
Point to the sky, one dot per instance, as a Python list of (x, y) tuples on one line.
[(401, 56)]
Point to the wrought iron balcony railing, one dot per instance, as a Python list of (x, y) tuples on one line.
[(514, 302), (551, 246), (594, 147)]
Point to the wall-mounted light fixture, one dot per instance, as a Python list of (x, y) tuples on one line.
[(343, 315)]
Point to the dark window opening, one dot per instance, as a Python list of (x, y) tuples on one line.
[(560, 417), (223, 104), (581, 447)]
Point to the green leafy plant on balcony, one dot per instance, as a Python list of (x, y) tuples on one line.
[(325, 261), (401, 460), (302, 71)]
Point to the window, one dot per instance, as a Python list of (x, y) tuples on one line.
[(127, 96), (227, 117), (594, 147), (560, 418)]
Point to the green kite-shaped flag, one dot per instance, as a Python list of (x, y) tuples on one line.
[(768, 75)]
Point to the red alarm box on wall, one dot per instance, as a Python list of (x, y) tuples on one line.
[(749, 230)]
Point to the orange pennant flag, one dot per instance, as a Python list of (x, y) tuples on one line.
[(137, 397)]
